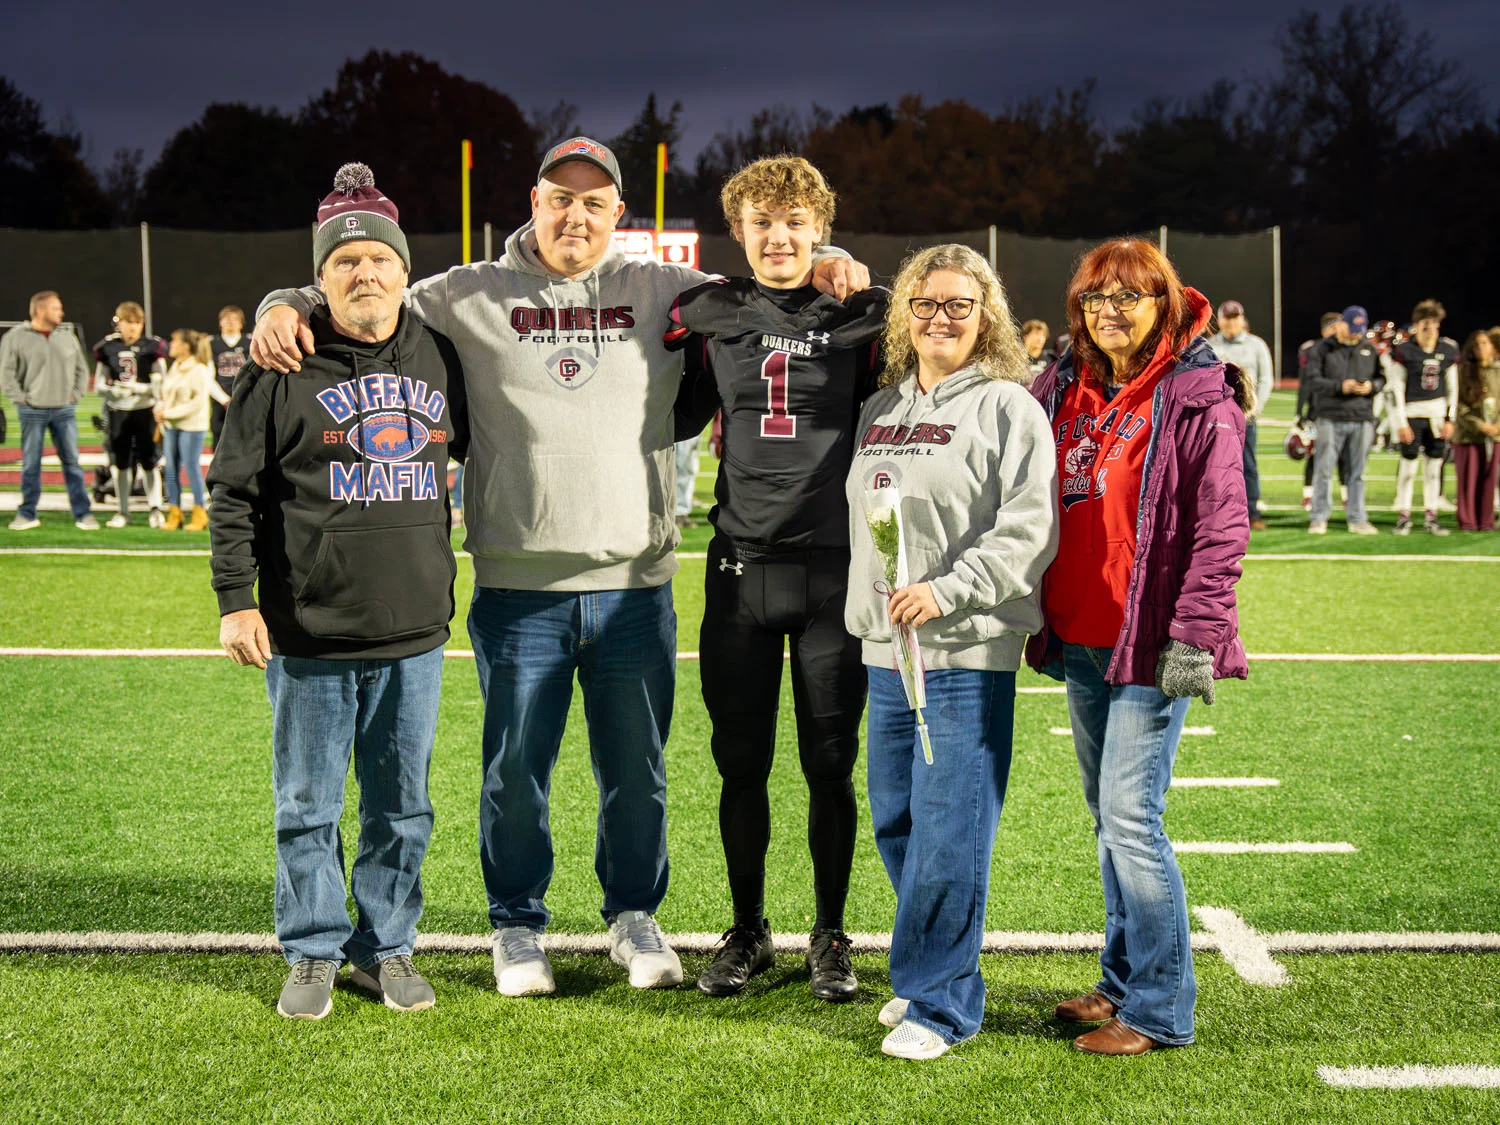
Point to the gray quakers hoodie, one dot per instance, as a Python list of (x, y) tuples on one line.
[(976, 468), (569, 483)]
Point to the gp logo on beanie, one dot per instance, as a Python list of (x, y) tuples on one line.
[(356, 210)]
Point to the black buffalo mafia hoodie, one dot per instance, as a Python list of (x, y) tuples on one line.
[(331, 485)]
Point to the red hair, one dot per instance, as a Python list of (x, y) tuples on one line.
[(1130, 263)]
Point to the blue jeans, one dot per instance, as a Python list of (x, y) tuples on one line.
[(183, 448), (35, 422), (935, 830), (1252, 470), (387, 710), (1126, 738), (1340, 443), (458, 488), (528, 644), (687, 474)]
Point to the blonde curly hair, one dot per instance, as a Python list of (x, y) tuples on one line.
[(997, 354), (778, 181)]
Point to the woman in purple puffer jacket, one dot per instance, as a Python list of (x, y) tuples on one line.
[(1139, 604)]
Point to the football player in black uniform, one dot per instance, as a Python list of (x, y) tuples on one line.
[(789, 368), (1422, 376), (128, 368), (231, 351)]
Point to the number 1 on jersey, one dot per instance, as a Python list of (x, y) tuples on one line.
[(778, 423)]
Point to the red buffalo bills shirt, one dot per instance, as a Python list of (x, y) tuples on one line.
[(1101, 454)]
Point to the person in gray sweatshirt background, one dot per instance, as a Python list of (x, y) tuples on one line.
[(970, 452), (1235, 343), (570, 519)]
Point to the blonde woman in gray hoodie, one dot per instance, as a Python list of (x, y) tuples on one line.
[(963, 453)]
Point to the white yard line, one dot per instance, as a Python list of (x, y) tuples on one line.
[(1400, 941), (1223, 782), (1411, 1077), (1312, 557), (1380, 657), (1228, 847), (1239, 944)]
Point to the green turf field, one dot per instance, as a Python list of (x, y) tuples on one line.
[(137, 797)]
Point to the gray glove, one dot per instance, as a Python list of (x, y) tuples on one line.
[(1183, 670)]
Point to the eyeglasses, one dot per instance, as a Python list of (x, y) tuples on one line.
[(1124, 301), (955, 308)]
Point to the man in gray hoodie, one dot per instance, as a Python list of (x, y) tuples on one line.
[(570, 518)]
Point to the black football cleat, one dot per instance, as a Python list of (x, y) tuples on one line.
[(743, 952), (828, 961)]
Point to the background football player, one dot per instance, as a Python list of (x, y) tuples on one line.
[(128, 369), (1422, 379)]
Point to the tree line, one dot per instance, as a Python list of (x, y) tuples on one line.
[(1374, 154)]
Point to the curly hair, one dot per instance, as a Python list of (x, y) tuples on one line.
[(997, 351), (775, 182)]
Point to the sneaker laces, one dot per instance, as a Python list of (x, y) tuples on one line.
[(830, 949), (518, 943), (399, 967), (645, 935), (741, 936), (311, 970)]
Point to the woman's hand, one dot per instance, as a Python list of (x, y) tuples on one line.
[(913, 605), (1183, 671)]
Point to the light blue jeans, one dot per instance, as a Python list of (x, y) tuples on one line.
[(687, 474), (387, 711), (63, 422), (528, 645), (1126, 738), (183, 449), (935, 830), (1351, 441)]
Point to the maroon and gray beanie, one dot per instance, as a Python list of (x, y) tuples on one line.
[(356, 210)]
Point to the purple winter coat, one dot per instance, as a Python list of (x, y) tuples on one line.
[(1193, 525)]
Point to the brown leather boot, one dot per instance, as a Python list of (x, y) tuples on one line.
[(1114, 1038), (1092, 1008), (174, 519), (200, 519)]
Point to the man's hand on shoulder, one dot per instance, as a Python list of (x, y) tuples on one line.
[(276, 339), (244, 637), (839, 277)]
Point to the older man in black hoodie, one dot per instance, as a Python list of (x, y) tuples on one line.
[(331, 488)]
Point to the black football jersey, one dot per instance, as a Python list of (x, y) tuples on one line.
[(229, 360), (790, 370), (129, 362), (1425, 371)]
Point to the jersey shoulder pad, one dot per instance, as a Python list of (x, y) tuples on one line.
[(1449, 344), (712, 305)]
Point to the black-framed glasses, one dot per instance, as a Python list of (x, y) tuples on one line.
[(1125, 300), (954, 308)]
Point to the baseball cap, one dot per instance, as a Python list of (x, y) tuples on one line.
[(1356, 318), (586, 149), (1231, 308)]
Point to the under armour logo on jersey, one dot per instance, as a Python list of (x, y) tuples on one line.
[(737, 568), (819, 337)]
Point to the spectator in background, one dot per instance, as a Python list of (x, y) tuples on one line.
[(1422, 377), (42, 371), (1305, 415), (1236, 344), (183, 411), (1034, 336), (231, 351), (1139, 604), (1476, 435), (1345, 375), (456, 514), (128, 368)]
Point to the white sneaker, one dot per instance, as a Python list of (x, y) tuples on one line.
[(1362, 527), (636, 943), (1318, 527), (521, 968), (87, 523), (118, 520), (21, 523), (893, 1012), (913, 1041), (156, 519)]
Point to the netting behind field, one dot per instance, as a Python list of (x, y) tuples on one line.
[(93, 270)]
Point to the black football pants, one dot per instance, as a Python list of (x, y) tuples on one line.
[(753, 607)]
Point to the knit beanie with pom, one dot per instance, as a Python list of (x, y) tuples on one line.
[(356, 210)]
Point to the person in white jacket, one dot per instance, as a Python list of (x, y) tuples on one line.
[(182, 408), (1235, 343)]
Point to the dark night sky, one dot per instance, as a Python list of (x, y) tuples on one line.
[(131, 76)]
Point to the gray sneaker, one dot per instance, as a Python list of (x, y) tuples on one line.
[(86, 523), (24, 523), (521, 968), (308, 992), (396, 982)]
